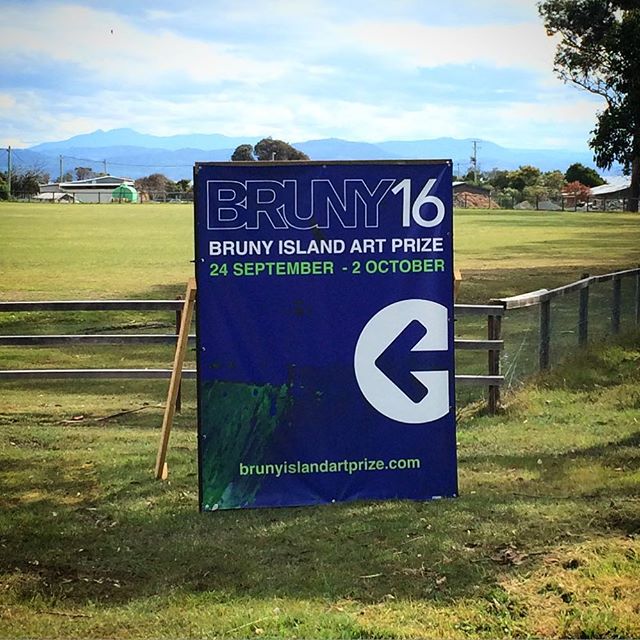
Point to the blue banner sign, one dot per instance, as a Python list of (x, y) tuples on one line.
[(325, 332)]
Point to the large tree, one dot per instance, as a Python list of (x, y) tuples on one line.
[(84, 173), (243, 153), (4, 187), (154, 185), (599, 51), (268, 149), (26, 182), (585, 175), (184, 185)]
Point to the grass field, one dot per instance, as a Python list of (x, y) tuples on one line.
[(144, 251), (542, 542)]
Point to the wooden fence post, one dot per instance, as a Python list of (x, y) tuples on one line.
[(583, 316), (545, 334), (638, 298), (178, 323), (457, 281), (494, 332), (615, 305)]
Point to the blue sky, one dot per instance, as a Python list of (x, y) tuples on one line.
[(294, 69)]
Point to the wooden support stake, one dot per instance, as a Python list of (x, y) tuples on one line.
[(162, 470), (457, 281), (179, 394)]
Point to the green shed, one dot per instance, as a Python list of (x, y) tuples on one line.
[(124, 193)]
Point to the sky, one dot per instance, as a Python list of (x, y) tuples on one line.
[(293, 69)]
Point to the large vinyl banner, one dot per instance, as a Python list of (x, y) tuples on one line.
[(325, 332)]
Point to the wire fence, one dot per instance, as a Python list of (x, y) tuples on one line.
[(90, 339), (105, 196), (491, 200), (541, 328)]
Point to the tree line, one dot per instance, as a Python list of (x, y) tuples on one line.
[(525, 183), (530, 183), (24, 182)]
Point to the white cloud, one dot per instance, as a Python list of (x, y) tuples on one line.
[(116, 52), (411, 44), (152, 77), (295, 117), (28, 118), (6, 102), (540, 125)]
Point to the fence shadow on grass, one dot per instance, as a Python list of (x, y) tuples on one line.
[(79, 531)]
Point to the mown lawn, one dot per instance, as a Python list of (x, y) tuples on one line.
[(52, 251), (542, 542)]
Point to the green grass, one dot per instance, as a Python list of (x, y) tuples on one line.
[(94, 251), (504, 253), (542, 541), (105, 251)]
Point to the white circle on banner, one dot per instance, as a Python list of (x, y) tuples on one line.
[(384, 394)]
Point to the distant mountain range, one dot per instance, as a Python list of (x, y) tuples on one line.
[(126, 152)]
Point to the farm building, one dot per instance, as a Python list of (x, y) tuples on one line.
[(620, 188), (470, 195), (98, 189), (466, 187), (612, 194)]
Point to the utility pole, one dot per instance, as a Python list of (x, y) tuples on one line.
[(104, 162), (474, 161), (9, 170), (61, 168)]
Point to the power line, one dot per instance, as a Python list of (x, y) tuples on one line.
[(130, 164)]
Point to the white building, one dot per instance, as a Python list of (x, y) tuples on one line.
[(618, 187), (98, 189)]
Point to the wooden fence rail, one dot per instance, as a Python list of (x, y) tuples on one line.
[(493, 344)]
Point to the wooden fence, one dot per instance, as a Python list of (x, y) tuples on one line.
[(543, 299), (492, 345)]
